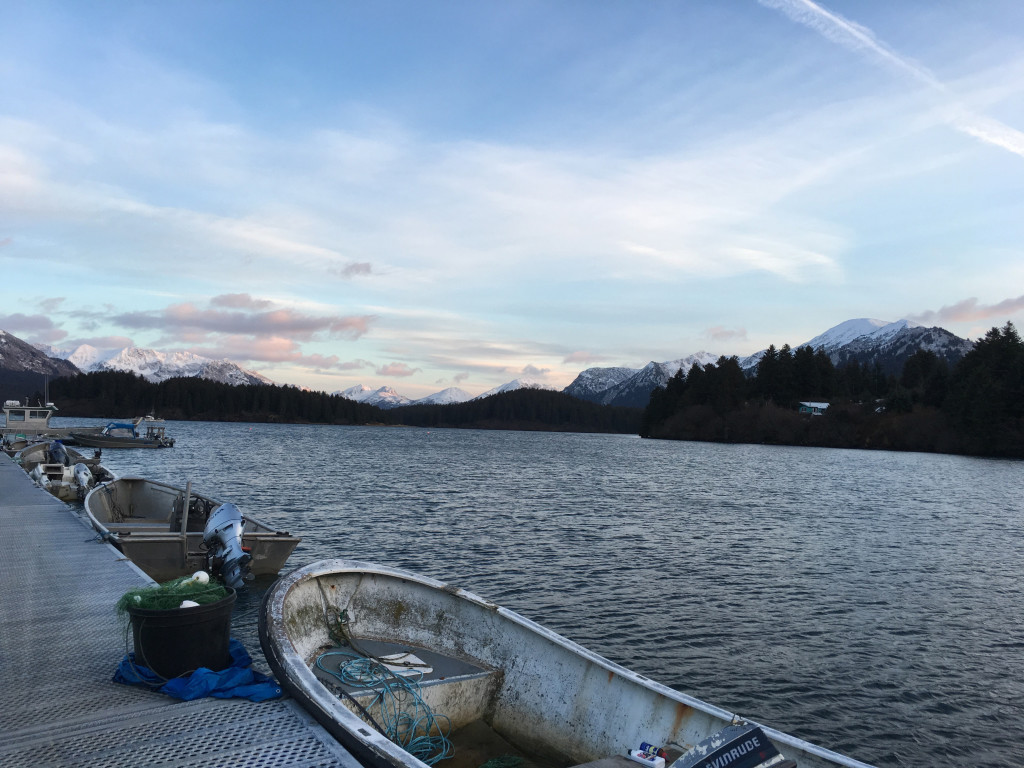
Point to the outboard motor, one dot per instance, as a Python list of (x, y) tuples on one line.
[(56, 453), (83, 480), (223, 538)]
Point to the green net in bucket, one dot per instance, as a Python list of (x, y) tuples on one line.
[(171, 594)]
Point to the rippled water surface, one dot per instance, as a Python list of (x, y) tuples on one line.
[(869, 602)]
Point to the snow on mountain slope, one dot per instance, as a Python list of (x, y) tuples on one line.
[(511, 386), (445, 397), (385, 397), (635, 391), (592, 382), (159, 366), (845, 332)]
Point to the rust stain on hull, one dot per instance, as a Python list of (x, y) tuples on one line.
[(682, 713)]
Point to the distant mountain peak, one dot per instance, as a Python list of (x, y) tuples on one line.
[(156, 366), (513, 385)]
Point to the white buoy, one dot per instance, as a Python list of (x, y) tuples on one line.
[(200, 577), (188, 604)]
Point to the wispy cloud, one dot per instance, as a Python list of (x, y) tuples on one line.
[(719, 333), (187, 317), (583, 357), (858, 38), (400, 370), (969, 310)]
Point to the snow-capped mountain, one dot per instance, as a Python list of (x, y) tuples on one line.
[(590, 383), (19, 356), (511, 386), (445, 397), (844, 333), (632, 390), (892, 348), (157, 366), (385, 397), (869, 341)]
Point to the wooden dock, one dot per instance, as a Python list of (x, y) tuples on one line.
[(61, 640)]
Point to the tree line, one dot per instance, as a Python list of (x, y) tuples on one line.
[(107, 394), (976, 407)]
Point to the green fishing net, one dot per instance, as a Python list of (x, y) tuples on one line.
[(505, 761), (170, 594)]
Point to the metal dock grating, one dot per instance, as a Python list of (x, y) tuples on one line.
[(61, 640)]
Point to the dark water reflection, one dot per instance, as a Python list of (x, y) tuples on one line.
[(869, 602)]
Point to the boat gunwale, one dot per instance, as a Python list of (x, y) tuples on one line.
[(263, 530), (294, 673)]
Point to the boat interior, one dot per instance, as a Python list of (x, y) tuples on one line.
[(459, 690), (508, 687)]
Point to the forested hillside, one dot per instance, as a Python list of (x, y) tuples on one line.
[(975, 408), (125, 395)]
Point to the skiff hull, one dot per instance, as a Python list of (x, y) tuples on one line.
[(548, 696), (143, 519)]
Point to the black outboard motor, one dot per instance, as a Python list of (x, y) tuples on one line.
[(56, 453), (223, 538), (741, 745)]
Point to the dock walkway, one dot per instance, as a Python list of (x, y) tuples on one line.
[(61, 640)]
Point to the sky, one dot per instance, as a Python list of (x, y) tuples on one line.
[(462, 193)]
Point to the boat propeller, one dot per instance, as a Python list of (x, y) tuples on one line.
[(223, 538)]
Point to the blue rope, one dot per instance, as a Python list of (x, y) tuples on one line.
[(407, 719)]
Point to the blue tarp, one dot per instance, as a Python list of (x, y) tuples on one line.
[(237, 681)]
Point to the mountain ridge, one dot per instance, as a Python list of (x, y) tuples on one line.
[(867, 341)]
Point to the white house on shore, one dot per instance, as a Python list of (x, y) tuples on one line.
[(815, 409)]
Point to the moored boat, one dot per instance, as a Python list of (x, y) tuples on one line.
[(61, 470), (500, 681), (25, 424), (127, 435), (169, 531)]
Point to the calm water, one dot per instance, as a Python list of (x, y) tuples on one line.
[(869, 602)]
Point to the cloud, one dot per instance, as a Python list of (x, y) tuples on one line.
[(4, 242), (858, 38), (969, 310), (723, 334), (38, 329), (532, 370), (354, 365), (400, 370), (240, 301), (187, 317), (584, 358), (353, 270)]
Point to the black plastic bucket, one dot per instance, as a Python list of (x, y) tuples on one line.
[(179, 641)]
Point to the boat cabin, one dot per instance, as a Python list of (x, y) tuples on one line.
[(27, 418)]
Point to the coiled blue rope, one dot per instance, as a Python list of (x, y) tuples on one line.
[(408, 720)]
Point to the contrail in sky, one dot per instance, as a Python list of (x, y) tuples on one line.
[(858, 38)]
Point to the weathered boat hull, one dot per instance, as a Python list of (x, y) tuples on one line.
[(546, 694), (143, 519)]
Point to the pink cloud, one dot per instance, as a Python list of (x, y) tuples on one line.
[(396, 369), (969, 310), (239, 301), (186, 317)]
